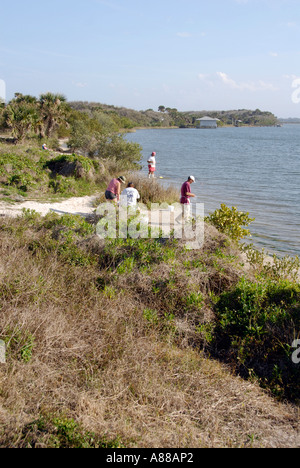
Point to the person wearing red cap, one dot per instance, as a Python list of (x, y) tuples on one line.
[(152, 165)]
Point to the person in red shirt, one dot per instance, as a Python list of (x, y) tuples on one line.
[(185, 201)]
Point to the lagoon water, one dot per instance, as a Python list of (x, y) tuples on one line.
[(255, 169)]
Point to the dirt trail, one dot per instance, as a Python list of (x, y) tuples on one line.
[(81, 206)]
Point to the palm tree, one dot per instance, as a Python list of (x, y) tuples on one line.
[(53, 110), (20, 117), (32, 113), (21, 98)]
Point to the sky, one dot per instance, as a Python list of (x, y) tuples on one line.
[(184, 54)]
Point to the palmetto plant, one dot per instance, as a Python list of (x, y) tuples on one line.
[(53, 109), (21, 117)]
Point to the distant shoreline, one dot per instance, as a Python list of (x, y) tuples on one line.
[(135, 129)]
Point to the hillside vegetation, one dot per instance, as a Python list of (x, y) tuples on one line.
[(123, 343), (168, 117), (133, 342)]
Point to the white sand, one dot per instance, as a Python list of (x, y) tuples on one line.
[(79, 206)]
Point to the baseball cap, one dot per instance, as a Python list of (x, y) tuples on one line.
[(192, 178)]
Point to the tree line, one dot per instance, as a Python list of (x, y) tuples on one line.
[(50, 117), (172, 117), (85, 123), (230, 117), (26, 115)]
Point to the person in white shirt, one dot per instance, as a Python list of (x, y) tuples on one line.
[(152, 165), (130, 196)]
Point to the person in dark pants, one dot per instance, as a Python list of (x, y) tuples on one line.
[(114, 189)]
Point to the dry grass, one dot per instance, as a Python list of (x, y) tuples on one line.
[(96, 359), (153, 191)]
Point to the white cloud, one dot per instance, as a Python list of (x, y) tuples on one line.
[(246, 86), (290, 77), (266, 86), (274, 54), (230, 82)]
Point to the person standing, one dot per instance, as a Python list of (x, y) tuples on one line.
[(114, 189), (152, 165), (186, 195)]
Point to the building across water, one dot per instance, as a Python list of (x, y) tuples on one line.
[(207, 122)]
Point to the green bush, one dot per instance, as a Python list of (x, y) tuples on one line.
[(231, 222), (194, 300), (137, 252), (19, 342), (73, 222), (62, 432), (21, 172), (256, 326), (85, 162), (67, 230), (62, 185)]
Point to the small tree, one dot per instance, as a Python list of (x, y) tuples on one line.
[(115, 146), (53, 111), (231, 222), (21, 115)]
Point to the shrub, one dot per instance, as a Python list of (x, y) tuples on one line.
[(276, 268), (62, 185), (57, 164), (256, 326), (67, 230), (20, 343), (231, 222), (62, 432), (73, 222), (21, 172)]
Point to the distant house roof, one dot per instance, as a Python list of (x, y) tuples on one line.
[(208, 118)]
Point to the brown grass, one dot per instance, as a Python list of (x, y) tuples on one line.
[(151, 191), (97, 360), (154, 191)]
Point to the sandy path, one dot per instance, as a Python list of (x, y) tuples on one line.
[(80, 206)]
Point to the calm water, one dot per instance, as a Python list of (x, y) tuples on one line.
[(255, 169)]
